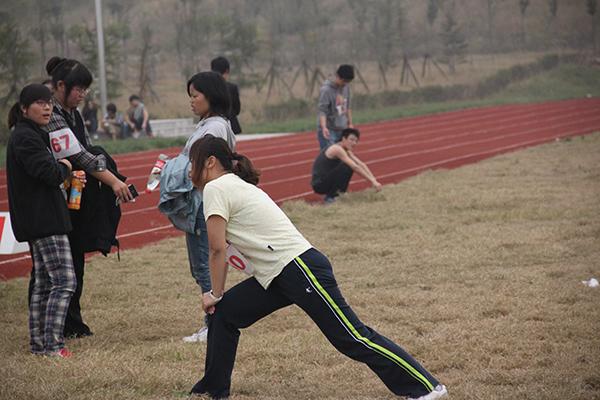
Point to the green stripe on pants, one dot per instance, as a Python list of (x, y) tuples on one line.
[(374, 346)]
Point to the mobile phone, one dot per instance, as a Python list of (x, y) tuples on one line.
[(133, 191)]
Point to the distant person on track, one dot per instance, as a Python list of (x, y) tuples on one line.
[(39, 215), (221, 65), (137, 118), (334, 166), (287, 270), (209, 100), (335, 112), (71, 81)]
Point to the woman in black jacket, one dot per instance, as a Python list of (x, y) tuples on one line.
[(71, 81), (39, 215)]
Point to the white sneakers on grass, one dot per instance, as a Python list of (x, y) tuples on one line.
[(199, 336), (439, 392)]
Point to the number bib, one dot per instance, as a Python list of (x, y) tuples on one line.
[(236, 260), (63, 143)]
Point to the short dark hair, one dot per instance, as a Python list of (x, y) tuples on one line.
[(346, 72), (29, 95), (71, 72), (220, 65), (213, 87), (111, 107), (134, 97), (350, 131)]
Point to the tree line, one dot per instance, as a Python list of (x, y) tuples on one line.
[(264, 38)]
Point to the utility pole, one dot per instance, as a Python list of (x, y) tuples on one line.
[(101, 64)]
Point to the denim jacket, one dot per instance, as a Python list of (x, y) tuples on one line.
[(179, 200)]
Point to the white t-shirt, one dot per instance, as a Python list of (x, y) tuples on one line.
[(256, 226)]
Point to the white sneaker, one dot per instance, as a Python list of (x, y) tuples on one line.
[(439, 392), (199, 336)]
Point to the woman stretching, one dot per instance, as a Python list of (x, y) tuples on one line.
[(287, 270)]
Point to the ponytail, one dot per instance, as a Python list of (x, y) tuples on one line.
[(242, 167), (14, 115), (208, 146)]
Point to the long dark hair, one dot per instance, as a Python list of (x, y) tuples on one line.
[(233, 162), (29, 95), (71, 72), (212, 85)]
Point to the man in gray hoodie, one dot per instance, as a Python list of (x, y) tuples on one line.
[(335, 113)]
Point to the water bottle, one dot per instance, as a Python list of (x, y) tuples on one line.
[(154, 178), (76, 189)]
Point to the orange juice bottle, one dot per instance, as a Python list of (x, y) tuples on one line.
[(76, 190)]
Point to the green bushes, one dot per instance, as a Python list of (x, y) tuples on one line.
[(504, 77)]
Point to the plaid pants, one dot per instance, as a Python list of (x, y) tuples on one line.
[(54, 285)]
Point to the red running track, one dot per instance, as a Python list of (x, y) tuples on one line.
[(394, 150)]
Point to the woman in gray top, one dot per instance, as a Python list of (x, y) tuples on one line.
[(209, 99)]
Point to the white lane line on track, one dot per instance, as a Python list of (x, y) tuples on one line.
[(449, 160), (155, 229), (431, 128), (416, 134), (142, 232), (463, 114), (430, 150), (446, 128), (409, 170), (406, 144), (405, 125), (15, 259)]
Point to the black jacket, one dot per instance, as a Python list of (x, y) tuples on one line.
[(234, 94), (95, 224), (36, 203)]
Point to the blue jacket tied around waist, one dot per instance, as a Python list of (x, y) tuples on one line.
[(179, 200)]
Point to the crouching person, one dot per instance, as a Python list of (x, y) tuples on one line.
[(39, 215), (335, 165)]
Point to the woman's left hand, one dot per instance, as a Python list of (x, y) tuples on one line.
[(208, 303)]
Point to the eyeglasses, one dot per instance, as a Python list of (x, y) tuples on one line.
[(81, 90), (44, 103)]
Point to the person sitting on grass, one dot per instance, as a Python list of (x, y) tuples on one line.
[(287, 270), (113, 122), (137, 118), (335, 165)]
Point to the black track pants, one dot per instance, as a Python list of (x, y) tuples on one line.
[(308, 282)]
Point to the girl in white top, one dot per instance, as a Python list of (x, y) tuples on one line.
[(287, 270)]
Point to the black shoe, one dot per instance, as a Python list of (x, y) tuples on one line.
[(77, 335), (199, 390)]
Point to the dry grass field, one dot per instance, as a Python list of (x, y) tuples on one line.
[(476, 271)]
